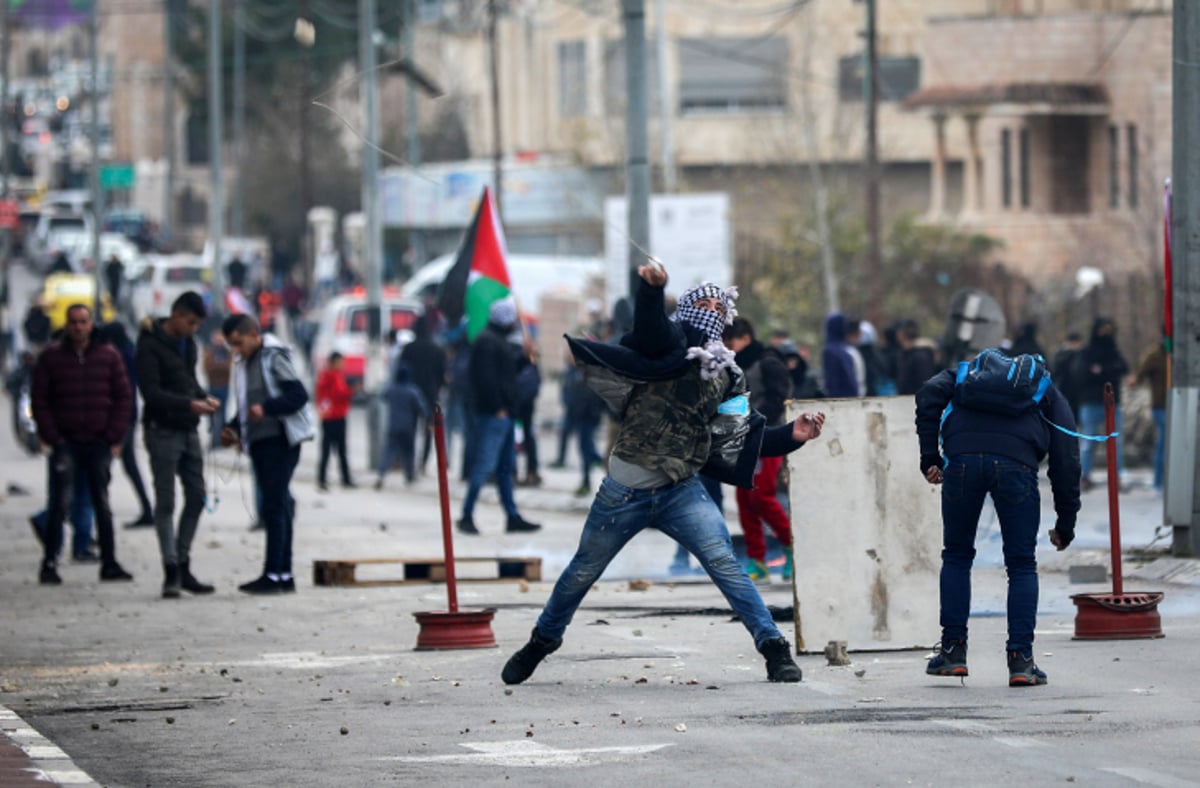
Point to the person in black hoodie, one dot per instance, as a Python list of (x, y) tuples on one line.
[(115, 333), (1099, 362), (494, 398), (175, 401), (997, 454)]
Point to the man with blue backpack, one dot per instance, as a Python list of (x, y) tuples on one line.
[(997, 418)]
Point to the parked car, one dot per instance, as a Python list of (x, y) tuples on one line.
[(163, 279), (48, 236), (343, 327), (60, 291)]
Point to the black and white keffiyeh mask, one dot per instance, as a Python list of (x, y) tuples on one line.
[(714, 356)]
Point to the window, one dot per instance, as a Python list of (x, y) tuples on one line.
[(1006, 168), (572, 79), (899, 77), (1114, 167), (1132, 141), (1023, 166), (614, 77), (732, 74)]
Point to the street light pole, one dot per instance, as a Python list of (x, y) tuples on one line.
[(372, 242), (97, 207), (216, 116), (637, 144)]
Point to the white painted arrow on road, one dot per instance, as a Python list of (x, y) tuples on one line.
[(523, 752)]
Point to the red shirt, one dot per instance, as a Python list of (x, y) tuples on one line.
[(333, 395)]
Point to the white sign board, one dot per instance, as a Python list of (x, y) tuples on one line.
[(690, 233), (867, 529)]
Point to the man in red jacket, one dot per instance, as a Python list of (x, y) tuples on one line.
[(82, 403), (333, 405)]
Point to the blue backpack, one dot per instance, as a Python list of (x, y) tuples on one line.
[(997, 383)]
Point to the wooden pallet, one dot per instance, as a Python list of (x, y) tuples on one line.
[(425, 570)]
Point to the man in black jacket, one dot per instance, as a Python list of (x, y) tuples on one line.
[(175, 401), (997, 454), (494, 398)]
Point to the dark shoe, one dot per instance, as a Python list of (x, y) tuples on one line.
[(88, 556), (583, 491), (257, 525), (1086, 484), (378, 484), (521, 665), (467, 526), (171, 582), (322, 487), (558, 466), (349, 486), (145, 521), (951, 659), (48, 576), (114, 571), (518, 524), (780, 665), (189, 583), (1022, 672), (262, 585), (288, 586), (530, 480)]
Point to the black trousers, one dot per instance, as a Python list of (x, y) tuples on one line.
[(96, 458), (333, 436)]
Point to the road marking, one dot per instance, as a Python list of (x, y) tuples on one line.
[(301, 660), (1151, 777), (46, 760), (523, 752)]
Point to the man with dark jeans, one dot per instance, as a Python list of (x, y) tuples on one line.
[(175, 402), (494, 396), (82, 404), (997, 454), (270, 423), (684, 406)]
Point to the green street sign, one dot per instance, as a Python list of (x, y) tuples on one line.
[(116, 176)]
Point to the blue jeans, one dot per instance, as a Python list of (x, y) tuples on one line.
[(682, 511), (1160, 428), (1014, 490), (713, 488), (495, 455), (1091, 422)]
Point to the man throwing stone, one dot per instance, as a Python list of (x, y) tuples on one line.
[(684, 408)]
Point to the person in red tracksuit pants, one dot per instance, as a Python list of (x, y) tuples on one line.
[(333, 405), (770, 387)]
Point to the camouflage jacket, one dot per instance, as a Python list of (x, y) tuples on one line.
[(671, 419)]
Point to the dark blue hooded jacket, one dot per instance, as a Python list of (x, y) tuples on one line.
[(837, 364)]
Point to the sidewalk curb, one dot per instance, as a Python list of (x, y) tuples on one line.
[(46, 760)]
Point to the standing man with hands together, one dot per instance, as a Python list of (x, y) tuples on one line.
[(82, 404), (175, 402)]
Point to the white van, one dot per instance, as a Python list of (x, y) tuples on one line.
[(343, 328), (164, 278)]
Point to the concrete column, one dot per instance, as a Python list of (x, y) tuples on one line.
[(937, 169), (971, 167)]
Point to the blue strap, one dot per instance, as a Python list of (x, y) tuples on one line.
[(1065, 431)]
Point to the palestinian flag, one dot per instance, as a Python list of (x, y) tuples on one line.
[(479, 275)]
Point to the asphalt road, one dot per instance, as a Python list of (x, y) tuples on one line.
[(658, 686)]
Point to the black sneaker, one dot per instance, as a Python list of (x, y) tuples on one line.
[(467, 526), (262, 585), (1022, 672), (114, 571), (780, 665), (518, 524), (522, 664), (145, 521), (951, 659), (288, 585), (188, 581), (48, 575)]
